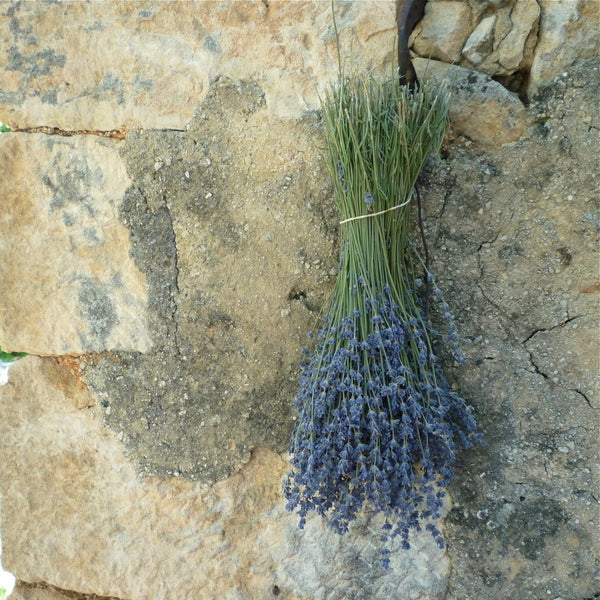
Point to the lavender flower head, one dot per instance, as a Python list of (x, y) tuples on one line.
[(379, 426)]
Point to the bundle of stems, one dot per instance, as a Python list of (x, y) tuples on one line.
[(378, 424)]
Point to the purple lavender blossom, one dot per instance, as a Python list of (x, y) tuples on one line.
[(378, 426)]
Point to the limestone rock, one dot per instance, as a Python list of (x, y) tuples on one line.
[(101, 529), (105, 66), (443, 31), (89, 76), (480, 43), (568, 32), (533, 40), (76, 70), (480, 108), (516, 48), (513, 36), (68, 284), (513, 231)]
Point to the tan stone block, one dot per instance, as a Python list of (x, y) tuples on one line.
[(77, 516), (68, 283), (568, 32), (97, 66), (443, 31), (480, 108), (105, 66), (514, 51), (479, 44), (503, 42)]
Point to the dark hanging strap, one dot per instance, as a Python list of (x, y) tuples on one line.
[(408, 14)]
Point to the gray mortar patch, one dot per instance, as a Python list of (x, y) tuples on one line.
[(176, 405)]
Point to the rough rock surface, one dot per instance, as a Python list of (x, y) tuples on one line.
[(481, 109), (515, 241), (503, 42), (522, 43), (101, 528), (147, 462), (479, 44), (515, 48), (568, 32), (106, 66), (238, 249), (443, 31), (68, 283)]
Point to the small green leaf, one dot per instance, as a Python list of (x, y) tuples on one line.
[(7, 357)]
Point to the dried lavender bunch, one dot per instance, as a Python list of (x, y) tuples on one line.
[(378, 425)]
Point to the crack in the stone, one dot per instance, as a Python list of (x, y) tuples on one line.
[(65, 593), (480, 266), (533, 334), (490, 301), (444, 204), (536, 367), (577, 391), (501, 311), (546, 329), (118, 134)]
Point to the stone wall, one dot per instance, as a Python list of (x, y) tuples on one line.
[(168, 237)]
